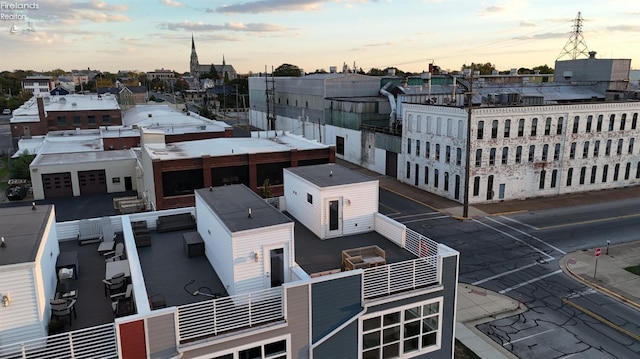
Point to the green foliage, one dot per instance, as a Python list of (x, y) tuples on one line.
[(634, 269), (544, 69), (378, 72), (181, 85), (485, 69), (266, 189), (287, 70), (19, 168)]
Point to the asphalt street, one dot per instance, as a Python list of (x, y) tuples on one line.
[(517, 255)]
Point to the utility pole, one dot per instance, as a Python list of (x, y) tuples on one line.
[(467, 160)]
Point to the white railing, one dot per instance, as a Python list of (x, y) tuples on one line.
[(401, 276), (390, 229), (213, 317), (420, 245), (89, 343)]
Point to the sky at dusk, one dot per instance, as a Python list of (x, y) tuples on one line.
[(312, 34)]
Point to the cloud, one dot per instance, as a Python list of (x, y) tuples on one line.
[(548, 35), (98, 16), (92, 11), (261, 6), (525, 23), (624, 28), (230, 26), (502, 8), (173, 3)]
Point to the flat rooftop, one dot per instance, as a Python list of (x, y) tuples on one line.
[(28, 112), (170, 120), (232, 205), (82, 157), (22, 229), (329, 175), (230, 146)]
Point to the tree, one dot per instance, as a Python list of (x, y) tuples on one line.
[(544, 69), (19, 168), (181, 85), (485, 69), (287, 70)]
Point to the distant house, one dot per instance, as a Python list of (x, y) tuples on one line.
[(38, 84), (59, 91), (128, 96)]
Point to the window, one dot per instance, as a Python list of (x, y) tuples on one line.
[(417, 148), (605, 173), (458, 156), (534, 126), (446, 181), (408, 145), (439, 126), (494, 129), (505, 155), (596, 148), (547, 126), (521, 127), (607, 150), (419, 123), (583, 173), (532, 152), (585, 150), (623, 121), (310, 198), (460, 129), (627, 170), (91, 120), (427, 149), (77, 121), (554, 178), (276, 350), (492, 157), (447, 154), (600, 118), (543, 174), (115, 180), (106, 119), (478, 157), (545, 152), (408, 169), (340, 145), (559, 128), (426, 174), (449, 127), (612, 120), (556, 152), (572, 151), (507, 128), (619, 150), (634, 121), (480, 130), (437, 152), (402, 331), (616, 171), (631, 145), (436, 180), (519, 154), (638, 170), (569, 176), (589, 123), (594, 169), (62, 120), (576, 124), (476, 186)]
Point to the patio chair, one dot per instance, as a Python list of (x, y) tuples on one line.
[(62, 308), (108, 239), (157, 301), (122, 303), (116, 254), (115, 284)]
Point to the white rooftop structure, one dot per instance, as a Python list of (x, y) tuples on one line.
[(170, 120), (260, 142), (82, 157), (28, 112)]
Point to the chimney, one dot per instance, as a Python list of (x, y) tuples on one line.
[(592, 54), (41, 114)]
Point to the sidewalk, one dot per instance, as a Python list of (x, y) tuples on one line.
[(611, 277)]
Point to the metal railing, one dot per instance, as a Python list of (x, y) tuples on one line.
[(89, 343), (420, 245), (401, 276), (214, 317)]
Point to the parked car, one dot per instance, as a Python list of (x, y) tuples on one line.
[(18, 189), (6, 111)]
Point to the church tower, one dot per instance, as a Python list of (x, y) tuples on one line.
[(193, 64)]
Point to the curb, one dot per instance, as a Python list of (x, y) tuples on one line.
[(601, 288), (601, 319)]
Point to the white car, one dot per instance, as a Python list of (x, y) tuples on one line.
[(6, 111)]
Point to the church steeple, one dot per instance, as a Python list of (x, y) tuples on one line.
[(193, 63)]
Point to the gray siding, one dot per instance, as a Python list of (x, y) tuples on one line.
[(162, 336), (334, 302), (342, 345)]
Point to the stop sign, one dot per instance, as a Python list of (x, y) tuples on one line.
[(597, 252)]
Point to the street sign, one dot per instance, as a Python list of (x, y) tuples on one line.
[(597, 252)]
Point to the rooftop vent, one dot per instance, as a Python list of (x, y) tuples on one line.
[(149, 115), (74, 104)]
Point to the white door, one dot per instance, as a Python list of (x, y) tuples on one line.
[(275, 265), (333, 217)]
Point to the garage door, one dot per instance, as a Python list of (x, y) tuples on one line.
[(92, 182), (57, 185)]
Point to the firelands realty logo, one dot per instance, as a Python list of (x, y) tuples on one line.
[(16, 11)]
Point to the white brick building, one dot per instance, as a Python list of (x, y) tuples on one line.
[(518, 152)]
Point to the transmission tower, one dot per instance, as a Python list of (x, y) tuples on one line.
[(576, 45)]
